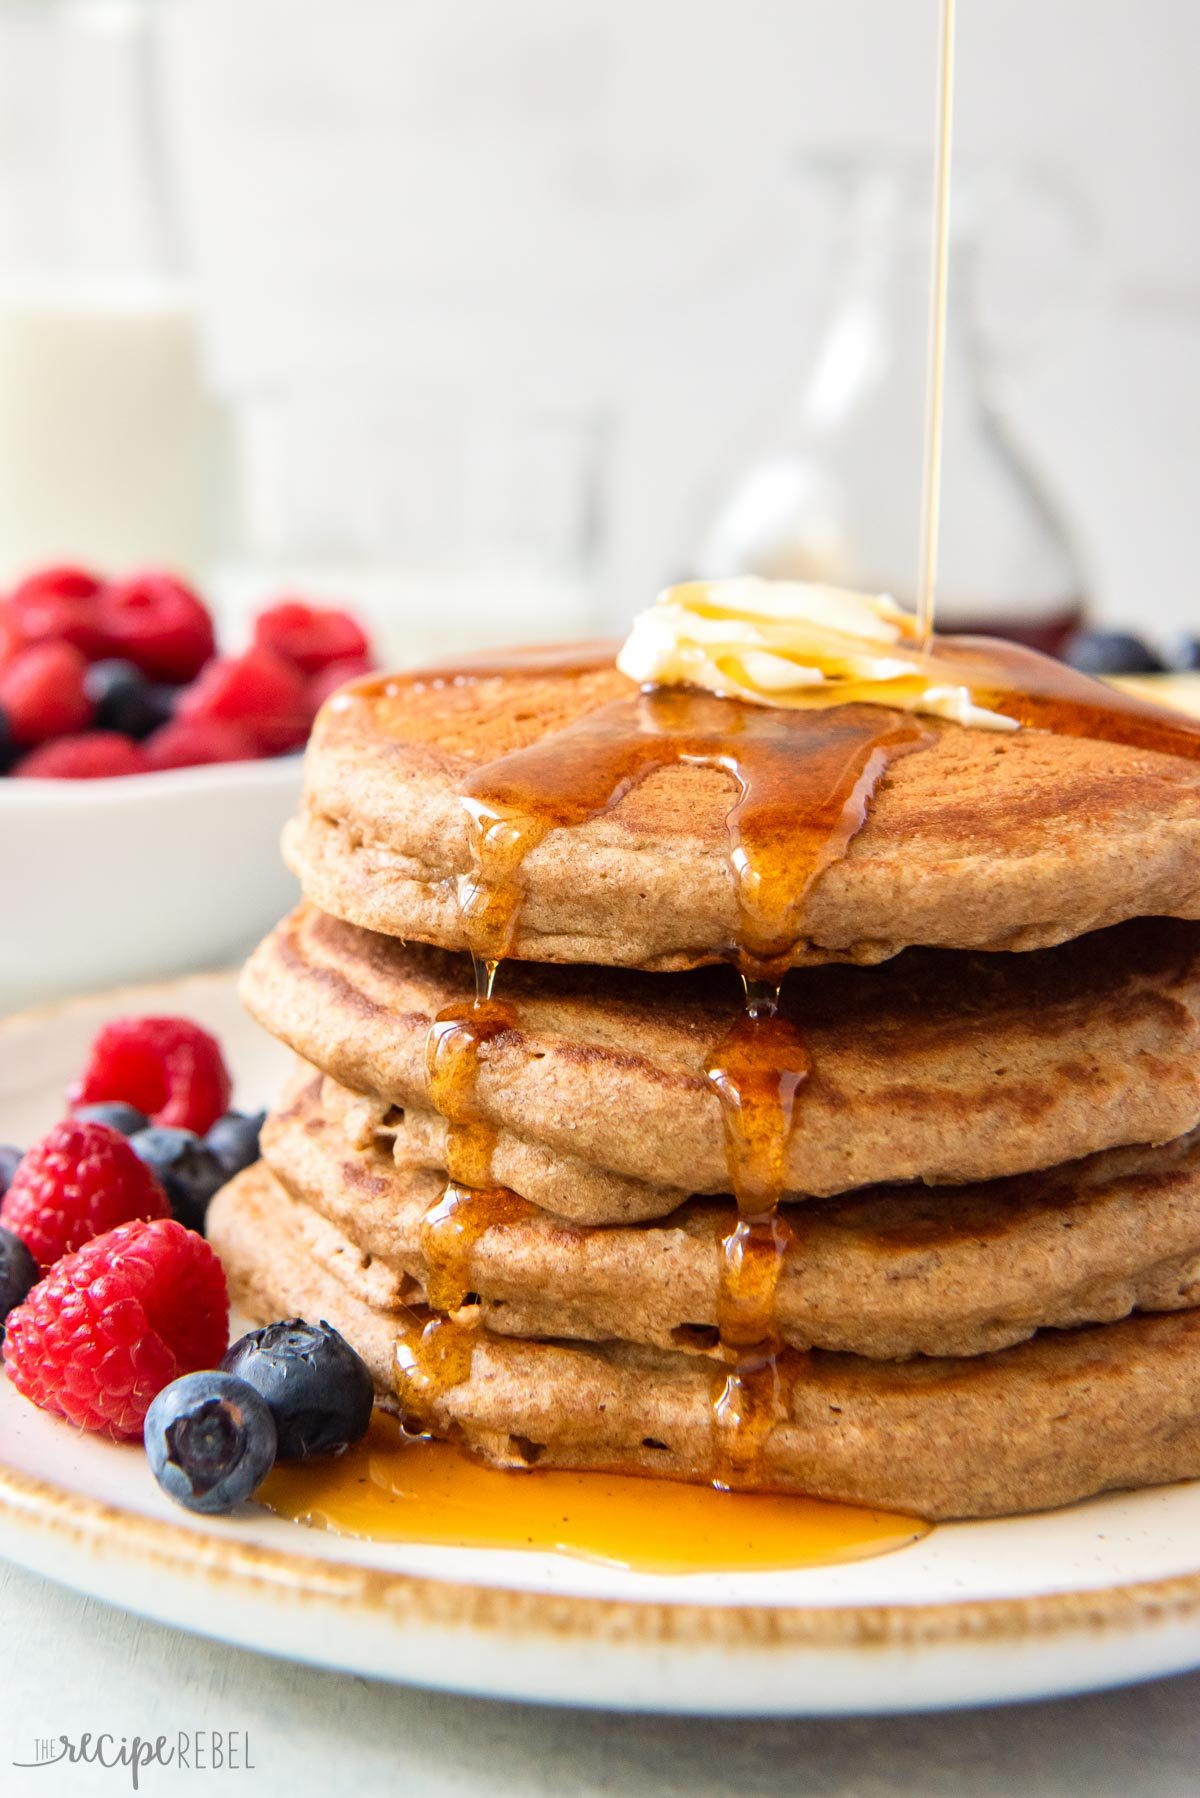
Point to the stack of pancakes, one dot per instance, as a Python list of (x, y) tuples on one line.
[(985, 1280)]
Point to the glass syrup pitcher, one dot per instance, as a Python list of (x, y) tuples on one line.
[(833, 490)]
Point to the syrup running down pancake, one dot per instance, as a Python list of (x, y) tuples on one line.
[(891, 1272), (973, 840), (1052, 1420), (541, 807), (934, 1066)]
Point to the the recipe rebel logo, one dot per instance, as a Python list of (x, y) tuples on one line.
[(197, 1751)]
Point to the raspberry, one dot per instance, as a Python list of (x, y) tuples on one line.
[(12, 637), (190, 742), (96, 755), (168, 1067), (42, 693), (58, 605), (111, 1325), (258, 691), (158, 624), (335, 676), (65, 582), (78, 1181), (310, 637)]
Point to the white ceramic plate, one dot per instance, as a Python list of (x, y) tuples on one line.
[(1101, 1594)]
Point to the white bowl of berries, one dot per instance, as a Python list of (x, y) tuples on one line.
[(145, 777)]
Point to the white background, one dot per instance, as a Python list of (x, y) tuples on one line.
[(593, 203)]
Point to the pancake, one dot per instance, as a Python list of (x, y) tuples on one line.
[(944, 1068), (889, 1273), (1055, 1419), (983, 840)]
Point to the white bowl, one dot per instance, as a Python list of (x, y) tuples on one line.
[(107, 881)]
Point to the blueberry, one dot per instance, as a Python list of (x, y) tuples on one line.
[(125, 700), (126, 1119), (10, 1161), (319, 1390), (19, 1272), (233, 1139), (1110, 652), (9, 753), (1181, 653), (210, 1440), (162, 702), (188, 1170)]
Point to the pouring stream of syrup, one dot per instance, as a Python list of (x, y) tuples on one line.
[(935, 380)]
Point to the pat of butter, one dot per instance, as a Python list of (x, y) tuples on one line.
[(793, 644)]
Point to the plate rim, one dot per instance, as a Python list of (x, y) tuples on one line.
[(400, 1598), (30, 1503)]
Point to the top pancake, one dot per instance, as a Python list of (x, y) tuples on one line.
[(982, 840)]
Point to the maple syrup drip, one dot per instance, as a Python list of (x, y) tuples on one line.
[(431, 1358), (749, 1399), (756, 1071), (485, 977), (390, 1488), (803, 783), (802, 787), (452, 1052), (752, 1256), (450, 1230), (489, 897)]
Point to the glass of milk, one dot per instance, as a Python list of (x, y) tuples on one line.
[(113, 450)]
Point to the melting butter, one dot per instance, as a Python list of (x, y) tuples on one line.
[(794, 644)]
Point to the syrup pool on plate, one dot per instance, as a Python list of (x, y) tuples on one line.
[(391, 1488)]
